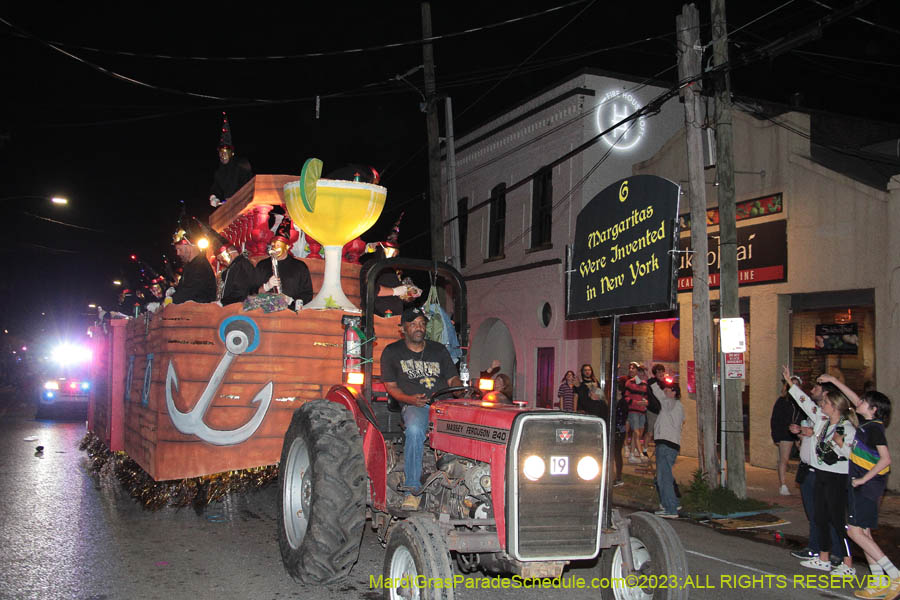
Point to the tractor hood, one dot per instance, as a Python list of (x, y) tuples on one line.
[(472, 428)]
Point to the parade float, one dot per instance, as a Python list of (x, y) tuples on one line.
[(194, 389), (209, 390)]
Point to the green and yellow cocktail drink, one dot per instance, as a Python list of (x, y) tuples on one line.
[(333, 212)]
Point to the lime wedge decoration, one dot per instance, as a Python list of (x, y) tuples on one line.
[(312, 170)]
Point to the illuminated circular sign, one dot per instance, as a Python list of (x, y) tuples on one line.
[(613, 107)]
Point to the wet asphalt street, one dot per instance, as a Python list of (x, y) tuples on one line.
[(67, 533)]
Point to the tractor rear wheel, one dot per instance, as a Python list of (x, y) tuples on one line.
[(415, 548), (660, 564), (323, 493)]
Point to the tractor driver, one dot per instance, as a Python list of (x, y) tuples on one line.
[(412, 369)]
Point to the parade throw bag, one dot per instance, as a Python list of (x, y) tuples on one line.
[(802, 472), (440, 327)]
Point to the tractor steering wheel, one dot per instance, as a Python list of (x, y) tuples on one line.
[(471, 393)]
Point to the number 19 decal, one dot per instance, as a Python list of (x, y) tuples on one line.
[(559, 465)]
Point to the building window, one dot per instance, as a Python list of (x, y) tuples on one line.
[(541, 208), (498, 221), (462, 224)]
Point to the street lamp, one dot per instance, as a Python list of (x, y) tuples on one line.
[(117, 282), (92, 306), (59, 200)]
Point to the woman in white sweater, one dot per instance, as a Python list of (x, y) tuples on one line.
[(834, 426)]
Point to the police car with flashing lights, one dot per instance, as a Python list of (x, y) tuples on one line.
[(65, 391)]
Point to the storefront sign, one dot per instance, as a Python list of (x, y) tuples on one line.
[(621, 259), (734, 365), (748, 209), (761, 256), (613, 107), (837, 339)]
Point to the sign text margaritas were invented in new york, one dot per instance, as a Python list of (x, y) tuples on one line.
[(622, 259)]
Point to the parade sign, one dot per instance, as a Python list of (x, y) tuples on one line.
[(621, 261), (840, 338)]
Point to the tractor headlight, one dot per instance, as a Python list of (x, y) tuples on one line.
[(534, 467), (588, 468)]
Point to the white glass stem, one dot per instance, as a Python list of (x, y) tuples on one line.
[(331, 295)]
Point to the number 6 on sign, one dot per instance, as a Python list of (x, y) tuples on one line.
[(559, 465)]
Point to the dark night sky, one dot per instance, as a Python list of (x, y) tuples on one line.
[(125, 154)]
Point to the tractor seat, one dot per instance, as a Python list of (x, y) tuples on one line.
[(388, 420)]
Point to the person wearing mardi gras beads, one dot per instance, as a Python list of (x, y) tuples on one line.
[(293, 278)]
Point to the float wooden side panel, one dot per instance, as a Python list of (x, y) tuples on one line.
[(177, 460), (300, 353)]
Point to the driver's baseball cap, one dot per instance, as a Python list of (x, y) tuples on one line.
[(411, 314)]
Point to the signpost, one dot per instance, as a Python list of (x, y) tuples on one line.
[(622, 259), (732, 345)]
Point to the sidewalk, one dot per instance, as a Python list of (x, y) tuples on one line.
[(762, 484)]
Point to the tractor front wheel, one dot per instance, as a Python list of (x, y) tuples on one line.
[(416, 549), (323, 493), (660, 565)]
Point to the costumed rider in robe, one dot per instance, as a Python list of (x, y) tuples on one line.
[(293, 275), (392, 292), (127, 301), (155, 294), (198, 282), (238, 278), (233, 172)]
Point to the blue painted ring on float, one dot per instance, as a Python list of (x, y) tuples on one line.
[(256, 335)]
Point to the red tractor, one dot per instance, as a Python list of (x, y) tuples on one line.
[(507, 490)]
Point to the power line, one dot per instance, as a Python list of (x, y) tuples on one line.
[(860, 19), (527, 58), (652, 107), (62, 222), (382, 87), (848, 59), (348, 51), (869, 158), (564, 124), (763, 16)]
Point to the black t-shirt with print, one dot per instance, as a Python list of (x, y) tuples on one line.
[(864, 455), (417, 372)]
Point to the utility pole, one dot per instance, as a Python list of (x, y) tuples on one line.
[(434, 141), (687, 27), (731, 389), (450, 145)]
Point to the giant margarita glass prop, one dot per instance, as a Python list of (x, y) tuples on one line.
[(333, 212)]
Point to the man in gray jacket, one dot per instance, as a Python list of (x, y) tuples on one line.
[(667, 433)]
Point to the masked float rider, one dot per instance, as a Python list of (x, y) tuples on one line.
[(239, 277), (294, 276), (232, 173), (198, 282), (391, 292)]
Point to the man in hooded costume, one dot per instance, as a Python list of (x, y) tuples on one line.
[(391, 293), (293, 275), (232, 173), (198, 282), (238, 278)]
